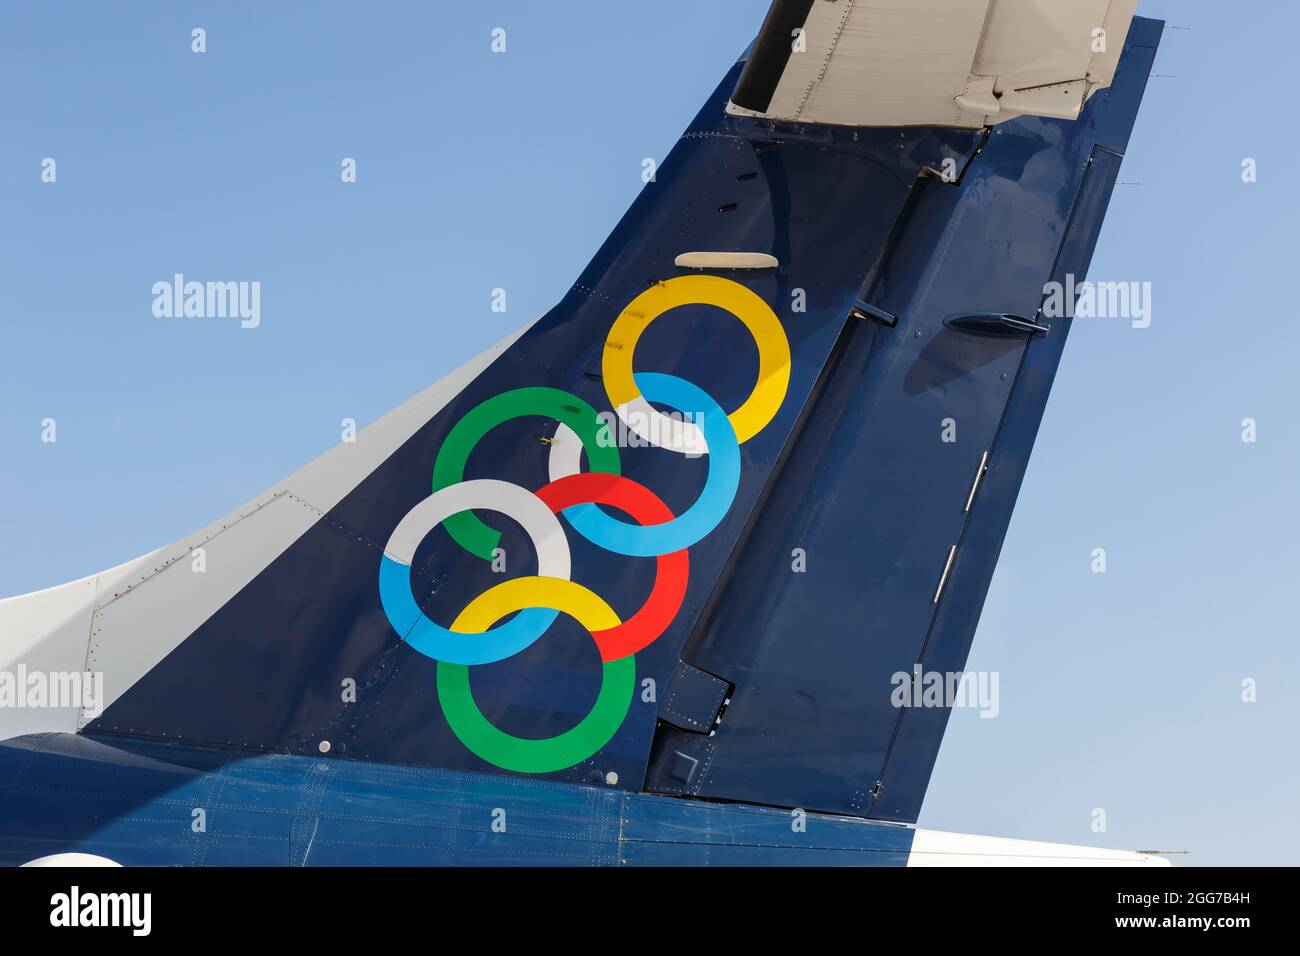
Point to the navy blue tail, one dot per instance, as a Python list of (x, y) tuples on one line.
[(684, 650)]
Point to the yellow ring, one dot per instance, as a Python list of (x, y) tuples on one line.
[(773, 348), (569, 597)]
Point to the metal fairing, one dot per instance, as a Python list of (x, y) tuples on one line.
[(748, 682), (134, 803)]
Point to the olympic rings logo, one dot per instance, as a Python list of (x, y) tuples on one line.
[(475, 637)]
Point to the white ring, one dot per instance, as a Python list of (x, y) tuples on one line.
[(538, 521), (566, 454)]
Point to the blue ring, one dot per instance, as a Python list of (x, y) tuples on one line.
[(646, 541), (435, 641)]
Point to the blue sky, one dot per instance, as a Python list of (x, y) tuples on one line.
[(1119, 691)]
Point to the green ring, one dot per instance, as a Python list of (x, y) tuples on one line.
[(524, 755), (466, 528)]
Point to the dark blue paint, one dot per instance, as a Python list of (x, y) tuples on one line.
[(823, 202), (813, 655), (135, 803), (920, 732)]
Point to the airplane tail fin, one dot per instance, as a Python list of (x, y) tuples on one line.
[(681, 534)]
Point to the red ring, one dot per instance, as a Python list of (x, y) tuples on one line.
[(671, 570)]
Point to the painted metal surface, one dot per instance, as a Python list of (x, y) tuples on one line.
[(150, 803), (68, 800), (381, 590), (812, 722), (889, 63), (1108, 123)]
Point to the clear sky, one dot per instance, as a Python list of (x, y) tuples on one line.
[(1119, 691)]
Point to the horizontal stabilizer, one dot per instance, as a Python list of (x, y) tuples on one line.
[(964, 63)]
